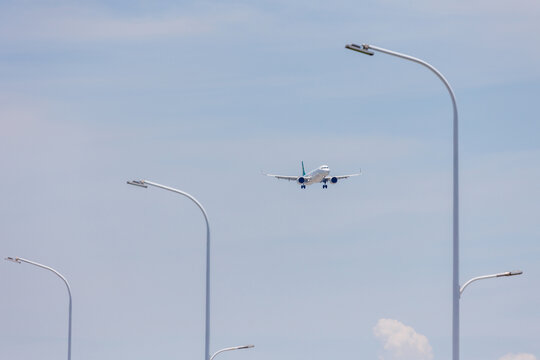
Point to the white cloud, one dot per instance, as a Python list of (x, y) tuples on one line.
[(474, 7), (401, 341), (80, 23), (520, 356)]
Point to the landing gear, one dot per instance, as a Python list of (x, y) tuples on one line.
[(303, 187), (325, 186)]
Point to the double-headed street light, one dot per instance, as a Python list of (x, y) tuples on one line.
[(456, 289), (366, 49), (144, 184), (20, 260)]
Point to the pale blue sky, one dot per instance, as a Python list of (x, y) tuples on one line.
[(202, 96)]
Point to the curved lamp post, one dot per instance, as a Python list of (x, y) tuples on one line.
[(231, 348), (19, 260), (144, 184), (366, 49), (508, 273)]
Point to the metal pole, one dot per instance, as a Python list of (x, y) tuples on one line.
[(19, 260), (143, 183), (455, 213)]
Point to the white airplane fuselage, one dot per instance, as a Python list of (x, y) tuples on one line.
[(316, 176)]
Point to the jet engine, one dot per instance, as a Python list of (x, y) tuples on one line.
[(301, 180), (333, 180)]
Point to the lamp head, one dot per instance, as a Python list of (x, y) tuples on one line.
[(15, 260), (246, 347), (137, 183), (512, 273), (364, 48)]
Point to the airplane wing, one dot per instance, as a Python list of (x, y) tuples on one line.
[(284, 177), (339, 177)]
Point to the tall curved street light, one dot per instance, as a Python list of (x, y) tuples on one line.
[(366, 49), (231, 348), (144, 184), (19, 260)]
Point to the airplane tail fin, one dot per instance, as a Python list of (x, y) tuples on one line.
[(303, 171)]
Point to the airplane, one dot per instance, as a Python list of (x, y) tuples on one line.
[(319, 175)]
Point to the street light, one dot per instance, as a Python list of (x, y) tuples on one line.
[(508, 273), (144, 184), (19, 260), (365, 49), (231, 348)]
